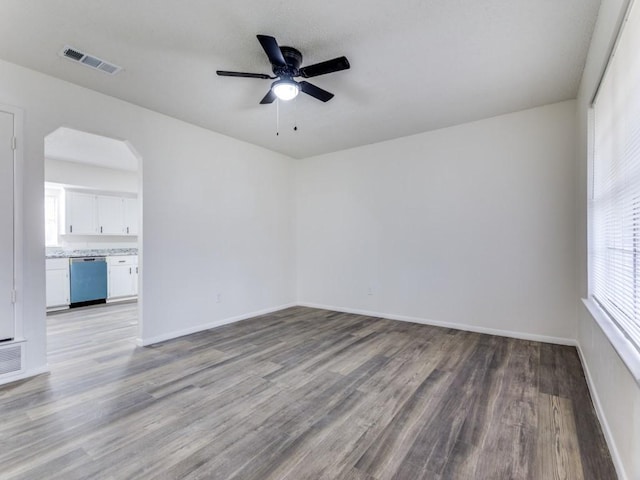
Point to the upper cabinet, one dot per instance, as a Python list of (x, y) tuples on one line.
[(130, 215), (109, 215), (99, 214), (80, 213)]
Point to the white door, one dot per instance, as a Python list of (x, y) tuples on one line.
[(80, 213), (121, 281), (57, 287), (131, 216), (7, 318), (109, 215)]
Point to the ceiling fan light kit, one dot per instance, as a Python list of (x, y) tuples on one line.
[(286, 65), (285, 89)]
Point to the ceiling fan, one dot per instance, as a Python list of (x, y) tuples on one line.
[(285, 64)]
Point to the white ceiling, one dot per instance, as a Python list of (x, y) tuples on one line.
[(82, 147), (416, 65)]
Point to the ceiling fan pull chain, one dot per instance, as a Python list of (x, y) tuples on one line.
[(295, 117), (277, 117)]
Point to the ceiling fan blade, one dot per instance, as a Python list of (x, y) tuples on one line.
[(271, 48), (315, 92), (270, 97), (224, 73), (334, 65)]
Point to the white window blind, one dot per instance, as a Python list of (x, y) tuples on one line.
[(615, 201)]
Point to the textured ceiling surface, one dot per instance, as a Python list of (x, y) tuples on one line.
[(416, 65)]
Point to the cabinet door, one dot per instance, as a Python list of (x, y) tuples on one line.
[(80, 218), (131, 216), (135, 279), (121, 281), (57, 287), (109, 210)]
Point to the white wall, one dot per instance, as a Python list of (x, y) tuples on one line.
[(615, 392), (217, 211), (90, 176), (472, 225)]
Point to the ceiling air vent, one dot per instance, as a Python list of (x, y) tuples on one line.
[(88, 60), (71, 53)]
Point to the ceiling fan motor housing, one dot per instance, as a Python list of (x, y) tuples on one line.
[(293, 58)]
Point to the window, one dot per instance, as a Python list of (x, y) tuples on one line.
[(51, 216), (614, 243)]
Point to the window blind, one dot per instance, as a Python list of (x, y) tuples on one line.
[(614, 242)]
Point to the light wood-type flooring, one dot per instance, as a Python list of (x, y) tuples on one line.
[(299, 394)]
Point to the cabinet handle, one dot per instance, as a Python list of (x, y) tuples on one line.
[(136, 269), (70, 228), (129, 270), (127, 229), (100, 229)]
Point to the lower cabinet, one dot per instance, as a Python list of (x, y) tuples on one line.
[(123, 277), (57, 278)]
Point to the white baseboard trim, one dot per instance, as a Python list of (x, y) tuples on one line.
[(143, 342), (27, 374), (456, 326), (615, 454), (131, 299)]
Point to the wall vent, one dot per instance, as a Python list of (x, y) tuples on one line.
[(88, 60), (11, 359)]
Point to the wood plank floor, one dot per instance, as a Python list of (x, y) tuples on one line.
[(299, 394)]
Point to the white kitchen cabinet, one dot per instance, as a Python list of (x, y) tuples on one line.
[(57, 282), (130, 215), (123, 276), (100, 214), (80, 213), (109, 214)]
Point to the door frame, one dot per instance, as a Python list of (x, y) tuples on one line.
[(18, 218), (140, 242)]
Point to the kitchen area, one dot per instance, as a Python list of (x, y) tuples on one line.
[(92, 220)]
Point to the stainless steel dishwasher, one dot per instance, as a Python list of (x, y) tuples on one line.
[(88, 281)]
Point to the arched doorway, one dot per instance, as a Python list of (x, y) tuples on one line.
[(93, 231)]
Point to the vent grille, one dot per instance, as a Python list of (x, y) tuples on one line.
[(88, 60), (107, 67), (71, 53), (91, 61), (10, 359)]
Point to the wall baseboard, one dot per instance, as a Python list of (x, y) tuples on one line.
[(143, 342), (403, 318), (615, 455), (27, 374), (456, 326)]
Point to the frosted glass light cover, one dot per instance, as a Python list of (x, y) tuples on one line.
[(285, 90)]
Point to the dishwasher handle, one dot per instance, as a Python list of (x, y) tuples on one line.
[(88, 259)]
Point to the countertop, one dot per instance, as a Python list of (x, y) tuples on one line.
[(94, 252)]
